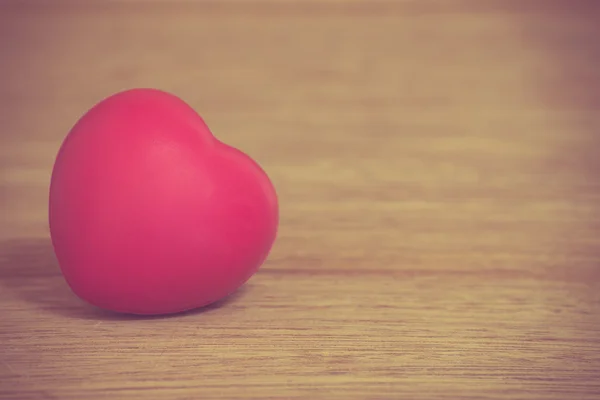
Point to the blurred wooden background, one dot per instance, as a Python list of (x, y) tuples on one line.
[(437, 172)]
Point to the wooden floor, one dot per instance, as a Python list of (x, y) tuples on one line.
[(439, 187)]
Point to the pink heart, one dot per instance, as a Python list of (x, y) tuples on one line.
[(150, 214)]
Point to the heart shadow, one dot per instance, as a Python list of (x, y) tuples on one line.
[(30, 273)]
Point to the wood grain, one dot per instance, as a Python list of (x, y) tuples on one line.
[(437, 172)]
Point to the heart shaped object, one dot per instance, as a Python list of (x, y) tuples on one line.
[(150, 214)]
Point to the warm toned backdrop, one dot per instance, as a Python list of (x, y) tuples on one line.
[(435, 163)]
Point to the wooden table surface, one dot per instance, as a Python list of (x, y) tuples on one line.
[(440, 202)]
